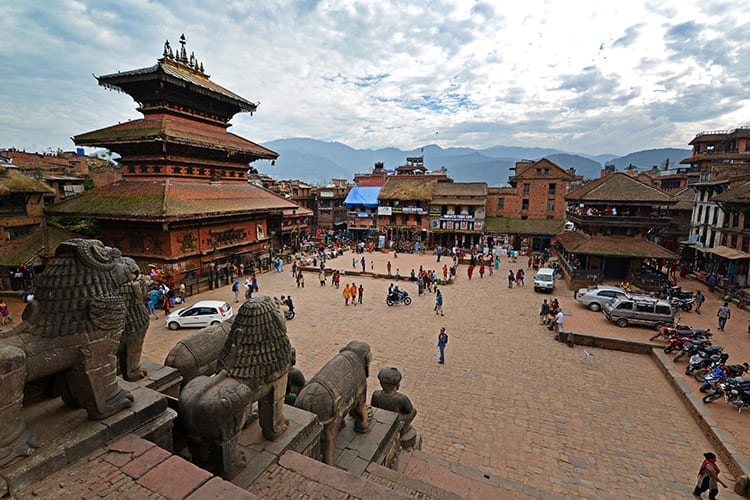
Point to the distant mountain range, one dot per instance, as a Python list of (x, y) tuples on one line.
[(318, 162)]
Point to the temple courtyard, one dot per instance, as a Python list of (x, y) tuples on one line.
[(510, 401)]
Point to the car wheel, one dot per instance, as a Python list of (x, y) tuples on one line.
[(173, 325), (214, 323), (594, 306), (622, 322)]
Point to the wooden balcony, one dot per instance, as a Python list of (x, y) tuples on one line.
[(617, 221)]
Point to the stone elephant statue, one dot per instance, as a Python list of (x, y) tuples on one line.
[(252, 366), (338, 389), (198, 353), (71, 331)]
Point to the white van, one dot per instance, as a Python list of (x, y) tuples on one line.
[(544, 280)]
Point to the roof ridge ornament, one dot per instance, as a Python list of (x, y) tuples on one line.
[(180, 55)]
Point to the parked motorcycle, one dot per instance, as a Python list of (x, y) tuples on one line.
[(666, 290), (684, 303), (677, 341), (666, 332), (399, 297), (735, 390), (692, 347), (710, 375), (710, 356)]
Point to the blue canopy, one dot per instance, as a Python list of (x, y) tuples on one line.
[(363, 197)]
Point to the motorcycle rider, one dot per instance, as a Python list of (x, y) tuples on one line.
[(289, 304)]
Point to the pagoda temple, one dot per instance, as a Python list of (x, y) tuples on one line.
[(184, 202)]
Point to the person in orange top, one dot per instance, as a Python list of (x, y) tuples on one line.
[(346, 293), (353, 294)]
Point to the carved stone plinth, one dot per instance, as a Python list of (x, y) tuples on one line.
[(67, 434)]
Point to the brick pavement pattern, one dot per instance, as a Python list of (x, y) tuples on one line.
[(509, 401)]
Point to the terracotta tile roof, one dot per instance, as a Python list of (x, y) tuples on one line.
[(31, 248), (169, 200), (619, 187), (524, 169), (612, 246), (685, 199), (738, 192), (13, 181), (523, 226), (405, 189), (176, 130)]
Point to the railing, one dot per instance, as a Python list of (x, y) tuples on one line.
[(722, 132), (588, 275)]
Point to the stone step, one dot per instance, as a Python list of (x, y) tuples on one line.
[(299, 476), (398, 481), (463, 481)]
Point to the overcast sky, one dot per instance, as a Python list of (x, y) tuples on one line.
[(582, 76)]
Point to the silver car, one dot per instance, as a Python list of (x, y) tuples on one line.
[(594, 297)]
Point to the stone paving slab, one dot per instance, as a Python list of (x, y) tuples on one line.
[(509, 401)]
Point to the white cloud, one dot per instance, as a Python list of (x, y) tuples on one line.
[(600, 77)]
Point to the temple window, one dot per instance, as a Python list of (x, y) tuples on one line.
[(526, 188)]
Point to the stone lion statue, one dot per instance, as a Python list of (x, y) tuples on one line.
[(252, 366), (72, 331)]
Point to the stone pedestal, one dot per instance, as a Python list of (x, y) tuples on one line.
[(164, 379), (67, 435), (354, 451), (302, 436)]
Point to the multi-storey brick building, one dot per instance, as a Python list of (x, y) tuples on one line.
[(330, 212), (457, 213), (532, 209), (720, 237)]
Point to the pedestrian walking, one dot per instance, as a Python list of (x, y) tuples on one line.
[(398, 274), (300, 279), (481, 269), (470, 271), (544, 312), (442, 342), (519, 277), (354, 263), (708, 477), (558, 323), (236, 290), (353, 294), (388, 266), (294, 270), (322, 278), (699, 299), (511, 278), (254, 282), (151, 304), (248, 289), (347, 294), (439, 303), (723, 314), (360, 293)]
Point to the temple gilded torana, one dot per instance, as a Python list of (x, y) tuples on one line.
[(184, 201)]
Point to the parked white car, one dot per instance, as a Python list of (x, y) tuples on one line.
[(202, 313), (544, 280), (594, 297)]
